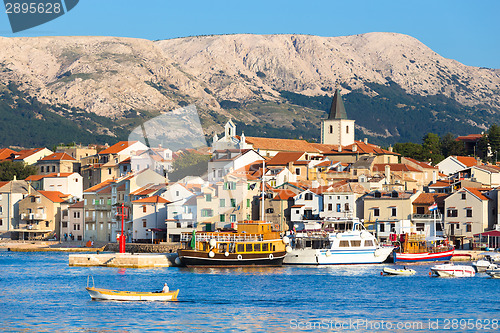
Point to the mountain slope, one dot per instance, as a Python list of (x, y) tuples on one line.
[(276, 85)]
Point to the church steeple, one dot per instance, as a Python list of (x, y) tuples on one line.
[(337, 109)]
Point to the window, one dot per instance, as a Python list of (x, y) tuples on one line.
[(230, 185), (53, 168), (144, 209), (356, 243), (256, 247), (297, 211), (308, 196), (376, 212), (207, 213), (468, 212), (222, 203), (176, 193), (233, 202), (41, 169), (338, 207), (248, 248), (394, 211), (347, 129), (222, 218), (439, 227), (464, 197), (420, 210), (1, 222), (382, 227), (368, 242), (109, 171), (74, 226), (468, 227), (452, 213), (1, 210), (330, 207), (46, 224), (346, 207), (420, 226), (232, 218), (144, 223), (65, 224), (297, 171), (240, 248), (265, 247), (270, 210), (248, 203), (344, 243), (458, 226), (208, 197), (331, 129)]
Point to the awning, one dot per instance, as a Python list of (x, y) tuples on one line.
[(492, 233)]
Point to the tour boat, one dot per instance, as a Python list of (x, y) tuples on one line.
[(337, 242), (494, 272), (451, 270), (482, 265), (255, 243), (398, 271), (413, 247), (118, 295)]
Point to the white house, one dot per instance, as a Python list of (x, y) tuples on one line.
[(149, 219), (226, 161), (11, 192), (307, 207), (454, 164)]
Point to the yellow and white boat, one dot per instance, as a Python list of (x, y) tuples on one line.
[(118, 295)]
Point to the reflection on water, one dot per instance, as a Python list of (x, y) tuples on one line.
[(40, 292)]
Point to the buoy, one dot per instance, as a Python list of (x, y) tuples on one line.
[(381, 273), (211, 254), (226, 254), (178, 261), (240, 257), (286, 240), (430, 273), (271, 257)]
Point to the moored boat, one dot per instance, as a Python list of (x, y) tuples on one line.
[(398, 271), (255, 243), (337, 242), (413, 247), (494, 272), (118, 295), (452, 270)]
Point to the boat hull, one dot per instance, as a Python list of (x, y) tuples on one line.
[(453, 271), (393, 271), (117, 295), (494, 273), (192, 258), (337, 257), (425, 256)]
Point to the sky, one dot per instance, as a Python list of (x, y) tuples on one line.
[(467, 31)]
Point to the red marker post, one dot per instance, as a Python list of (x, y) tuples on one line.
[(121, 238)]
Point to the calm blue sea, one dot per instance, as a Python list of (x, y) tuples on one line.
[(41, 293)]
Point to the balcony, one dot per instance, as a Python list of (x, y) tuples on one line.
[(414, 217), (34, 216)]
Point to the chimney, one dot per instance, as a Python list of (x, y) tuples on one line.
[(391, 149), (387, 174), (434, 174), (354, 147), (366, 141), (15, 177), (339, 148), (414, 190)]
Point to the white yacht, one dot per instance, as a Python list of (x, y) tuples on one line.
[(337, 242)]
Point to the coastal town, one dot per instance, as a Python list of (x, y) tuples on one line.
[(80, 193)]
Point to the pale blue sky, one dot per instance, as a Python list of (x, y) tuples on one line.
[(467, 31)]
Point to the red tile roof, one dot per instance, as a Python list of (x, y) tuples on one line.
[(58, 157), (21, 155), (281, 194), (55, 196), (50, 175), (79, 204), (421, 164), (395, 167), (430, 198), (476, 192), (470, 137), (291, 145), (359, 147), (441, 183), (153, 199), (467, 161), (116, 148), (285, 157), (5, 153), (99, 186)]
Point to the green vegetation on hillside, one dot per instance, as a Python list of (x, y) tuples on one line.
[(9, 169)]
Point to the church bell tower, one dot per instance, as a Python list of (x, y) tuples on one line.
[(337, 129)]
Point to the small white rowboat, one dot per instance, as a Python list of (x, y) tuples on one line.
[(117, 295), (399, 271)]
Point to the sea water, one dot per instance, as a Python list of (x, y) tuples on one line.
[(41, 293)]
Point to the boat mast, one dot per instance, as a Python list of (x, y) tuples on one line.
[(263, 196)]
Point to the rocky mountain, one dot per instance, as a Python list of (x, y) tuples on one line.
[(276, 85)]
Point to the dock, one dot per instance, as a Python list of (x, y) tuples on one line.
[(122, 260)]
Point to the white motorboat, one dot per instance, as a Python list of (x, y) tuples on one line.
[(494, 273), (483, 265), (398, 271), (451, 270), (337, 242)]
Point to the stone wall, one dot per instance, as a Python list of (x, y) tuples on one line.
[(145, 248)]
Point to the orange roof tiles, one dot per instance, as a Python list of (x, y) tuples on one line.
[(55, 196), (476, 192), (421, 164), (6, 153), (285, 157), (58, 157), (281, 194), (99, 186), (79, 204), (50, 175), (430, 198), (467, 161), (27, 153), (118, 147), (281, 144), (153, 199), (441, 183)]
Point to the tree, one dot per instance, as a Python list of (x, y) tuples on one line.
[(410, 149), (432, 147), (189, 164), (9, 169), (450, 146)]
